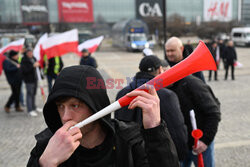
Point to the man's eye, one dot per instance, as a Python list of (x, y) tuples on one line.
[(59, 106), (76, 106)]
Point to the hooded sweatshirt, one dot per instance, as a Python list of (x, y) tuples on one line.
[(123, 146), (73, 83)]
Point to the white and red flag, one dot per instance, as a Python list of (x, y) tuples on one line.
[(2, 58), (15, 45), (37, 49), (39, 54), (91, 45), (61, 44)]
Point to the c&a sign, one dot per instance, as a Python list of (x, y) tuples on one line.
[(149, 8)]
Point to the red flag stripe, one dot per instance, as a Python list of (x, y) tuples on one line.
[(61, 49), (93, 48), (2, 58), (91, 44), (15, 48), (15, 45)]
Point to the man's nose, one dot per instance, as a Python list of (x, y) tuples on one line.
[(67, 115)]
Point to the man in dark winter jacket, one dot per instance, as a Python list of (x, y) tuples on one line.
[(195, 95), (87, 59), (13, 75), (151, 66), (28, 71), (229, 59), (105, 142)]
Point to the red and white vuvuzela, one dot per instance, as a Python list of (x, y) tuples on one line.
[(201, 59)]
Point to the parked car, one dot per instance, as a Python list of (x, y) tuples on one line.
[(241, 36)]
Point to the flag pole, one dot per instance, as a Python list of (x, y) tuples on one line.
[(40, 84)]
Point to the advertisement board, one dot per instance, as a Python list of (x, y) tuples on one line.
[(75, 11), (148, 8), (34, 11), (217, 10)]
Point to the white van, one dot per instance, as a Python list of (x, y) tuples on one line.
[(241, 36)]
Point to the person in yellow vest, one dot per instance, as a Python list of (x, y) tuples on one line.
[(52, 68)]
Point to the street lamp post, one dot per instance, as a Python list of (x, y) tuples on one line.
[(164, 20)]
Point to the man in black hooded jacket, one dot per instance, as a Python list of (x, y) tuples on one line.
[(105, 142), (194, 94), (151, 66)]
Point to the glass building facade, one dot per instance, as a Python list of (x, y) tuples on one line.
[(245, 12), (115, 10), (10, 11)]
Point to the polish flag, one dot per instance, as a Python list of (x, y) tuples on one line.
[(37, 49), (91, 44), (39, 55), (15, 45), (2, 58), (61, 44)]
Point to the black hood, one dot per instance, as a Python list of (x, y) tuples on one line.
[(81, 82)]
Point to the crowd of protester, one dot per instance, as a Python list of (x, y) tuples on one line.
[(154, 130)]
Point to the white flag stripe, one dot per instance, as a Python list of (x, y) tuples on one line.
[(14, 43), (68, 36), (36, 51), (90, 43)]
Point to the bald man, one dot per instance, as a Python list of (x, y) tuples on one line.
[(194, 94), (175, 53)]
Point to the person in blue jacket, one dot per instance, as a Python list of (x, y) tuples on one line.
[(87, 59)]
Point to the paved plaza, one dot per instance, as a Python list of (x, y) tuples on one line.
[(232, 144)]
